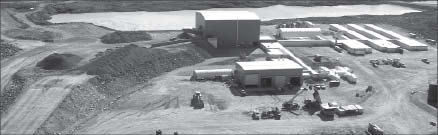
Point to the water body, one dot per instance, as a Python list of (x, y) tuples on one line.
[(175, 20), (426, 2)]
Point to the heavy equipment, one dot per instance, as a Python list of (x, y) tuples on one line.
[(374, 129), (196, 101), (349, 110), (266, 113), (243, 93), (425, 60), (396, 63), (290, 106), (375, 62), (329, 109), (313, 104)]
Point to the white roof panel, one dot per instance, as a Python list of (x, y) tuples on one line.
[(271, 45), (353, 44), (229, 15), (300, 29), (267, 65), (275, 51)]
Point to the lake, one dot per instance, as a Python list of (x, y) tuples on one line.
[(176, 20)]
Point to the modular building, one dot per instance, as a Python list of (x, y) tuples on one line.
[(269, 75), (410, 44), (288, 33), (355, 47), (231, 28), (368, 33), (383, 46), (379, 30), (337, 27)]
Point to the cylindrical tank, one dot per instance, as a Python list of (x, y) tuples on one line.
[(211, 74)]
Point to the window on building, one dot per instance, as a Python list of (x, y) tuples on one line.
[(266, 82), (295, 81)]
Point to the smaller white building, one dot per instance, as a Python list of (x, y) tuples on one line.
[(268, 75), (288, 33)]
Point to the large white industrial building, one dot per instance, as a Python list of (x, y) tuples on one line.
[(268, 75), (229, 29)]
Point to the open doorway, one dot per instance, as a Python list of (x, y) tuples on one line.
[(295, 81), (266, 82)]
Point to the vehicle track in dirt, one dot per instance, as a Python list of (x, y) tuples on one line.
[(37, 103)]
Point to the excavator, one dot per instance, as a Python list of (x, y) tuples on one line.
[(196, 101), (290, 105)]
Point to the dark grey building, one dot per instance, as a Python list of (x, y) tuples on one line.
[(230, 28)]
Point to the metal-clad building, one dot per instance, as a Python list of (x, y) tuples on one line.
[(231, 28), (268, 75)]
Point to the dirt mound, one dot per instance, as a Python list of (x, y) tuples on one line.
[(132, 64), (7, 50), (125, 37), (59, 61)]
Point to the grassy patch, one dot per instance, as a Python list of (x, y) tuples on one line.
[(125, 37), (20, 6), (31, 34)]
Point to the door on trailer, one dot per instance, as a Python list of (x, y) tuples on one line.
[(280, 81)]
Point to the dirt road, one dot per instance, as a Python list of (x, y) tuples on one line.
[(36, 104)]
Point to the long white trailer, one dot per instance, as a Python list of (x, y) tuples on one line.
[(402, 41), (368, 33), (383, 46)]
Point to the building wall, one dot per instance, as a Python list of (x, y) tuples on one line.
[(200, 21), (226, 31), (288, 73)]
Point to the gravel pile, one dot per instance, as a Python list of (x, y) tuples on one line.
[(57, 61), (7, 50)]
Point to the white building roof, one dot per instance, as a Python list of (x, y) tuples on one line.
[(368, 31), (265, 37), (268, 65), (271, 45), (354, 44), (338, 27), (274, 51), (384, 43), (229, 15), (299, 29)]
